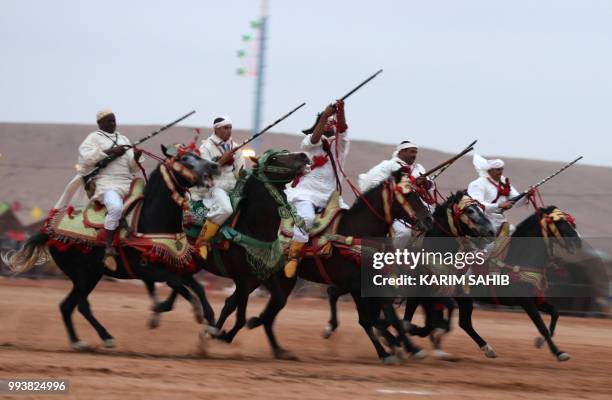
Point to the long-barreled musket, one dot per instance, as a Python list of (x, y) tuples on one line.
[(444, 165), (266, 129), (346, 96), (543, 181), (100, 165)]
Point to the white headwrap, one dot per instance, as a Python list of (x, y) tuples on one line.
[(406, 144), (483, 165), (103, 113), (226, 121)]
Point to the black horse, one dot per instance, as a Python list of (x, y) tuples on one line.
[(263, 199), (531, 249), (470, 226), (364, 219), (160, 213)]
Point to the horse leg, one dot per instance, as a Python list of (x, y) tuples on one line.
[(411, 305), (466, 307), (157, 273), (279, 292), (241, 299), (85, 310), (554, 317), (332, 297), (531, 309), (67, 307), (209, 313), (366, 323), (391, 317)]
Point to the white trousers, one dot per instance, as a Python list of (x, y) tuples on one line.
[(218, 203), (306, 210), (114, 208)]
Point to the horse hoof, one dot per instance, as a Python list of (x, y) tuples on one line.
[(253, 322), (154, 321), (108, 343), (563, 356), (539, 342), (419, 354), (399, 352), (391, 360), (80, 346), (406, 325), (327, 332), (444, 356), (489, 351), (436, 336), (283, 354), (211, 331), (196, 305), (203, 343)]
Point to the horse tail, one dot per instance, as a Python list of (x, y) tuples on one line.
[(33, 253)]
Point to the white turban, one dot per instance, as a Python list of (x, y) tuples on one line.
[(103, 113), (406, 144), (483, 165), (225, 121)]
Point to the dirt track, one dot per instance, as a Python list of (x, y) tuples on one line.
[(165, 363)]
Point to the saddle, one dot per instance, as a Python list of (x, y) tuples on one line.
[(323, 234), (84, 229)]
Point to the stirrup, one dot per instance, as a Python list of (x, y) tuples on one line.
[(109, 259)]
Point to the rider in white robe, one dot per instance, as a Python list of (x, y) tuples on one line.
[(493, 190), (218, 147), (404, 157), (314, 189)]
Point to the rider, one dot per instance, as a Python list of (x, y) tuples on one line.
[(218, 147), (327, 142), (113, 182), (404, 158), (493, 190)]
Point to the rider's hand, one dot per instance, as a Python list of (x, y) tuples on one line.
[(506, 205), (423, 182), (116, 151), (226, 158)]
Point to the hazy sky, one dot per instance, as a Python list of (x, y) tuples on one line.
[(530, 78)]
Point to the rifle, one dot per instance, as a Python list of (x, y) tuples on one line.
[(267, 128), (103, 163), (543, 181), (356, 88), (444, 165)]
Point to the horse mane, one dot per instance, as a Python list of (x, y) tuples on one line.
[(531, 224), (152, 190)]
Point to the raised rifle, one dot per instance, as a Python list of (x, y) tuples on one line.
[(543, 181), (356, 88)]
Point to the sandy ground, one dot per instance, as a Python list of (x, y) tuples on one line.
[(165, 363)]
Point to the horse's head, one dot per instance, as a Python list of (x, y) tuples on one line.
[(281, 166), (466, 217), (188, 168), (559, 227), (405, 201)]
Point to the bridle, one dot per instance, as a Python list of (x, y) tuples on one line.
[(169, 169), (548, 227), (456, 214)]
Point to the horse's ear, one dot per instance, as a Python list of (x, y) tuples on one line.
[(254, 159), (397, 175), (165, 150)]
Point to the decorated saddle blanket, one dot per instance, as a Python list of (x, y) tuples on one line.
[(323, 234), (83, 228), (517, 273)]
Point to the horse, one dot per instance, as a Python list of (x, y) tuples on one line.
[(530, 250), (257, 217), (394, 198), (161, 213), (459, 217)]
